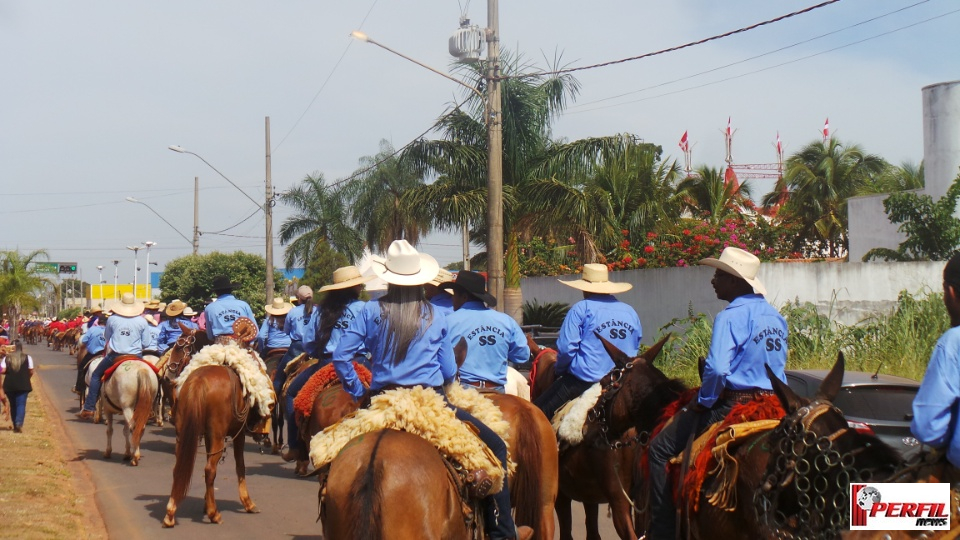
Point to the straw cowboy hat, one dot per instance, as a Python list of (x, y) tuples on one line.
[(128, 306), (740, 263), (96, 310), (473, 284), (150, 319), (174, 308), (189, 312), (443, 277), (596, 280), (346, 277), (404, 265), (152, 304), (278, 307)]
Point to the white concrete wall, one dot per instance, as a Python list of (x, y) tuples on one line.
[(847, 292), (941, 136), (869, 226)]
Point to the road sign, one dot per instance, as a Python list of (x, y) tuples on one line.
[(47, 267), (67, 268)]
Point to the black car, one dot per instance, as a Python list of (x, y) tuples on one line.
[(882, 406)]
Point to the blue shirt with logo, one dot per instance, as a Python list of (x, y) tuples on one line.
[(443, 301), (93, 340), (935, 406), (747, 335), (271, 335), (492, 339), (126, 335), (297, 323), (153, 336), (220, 315), (429, 360), (170, 332), (579, 351), (349, 314)]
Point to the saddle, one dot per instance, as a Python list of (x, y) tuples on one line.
[(123, 359), (257, 387)]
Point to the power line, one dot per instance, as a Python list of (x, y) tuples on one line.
[(676, 48)]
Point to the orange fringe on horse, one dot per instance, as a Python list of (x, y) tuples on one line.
[(320, 381)]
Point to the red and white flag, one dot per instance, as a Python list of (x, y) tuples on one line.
[(729, 132), (684, 145), (826, 129), (779, 146)]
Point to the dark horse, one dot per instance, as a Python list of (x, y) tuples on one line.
[(600, 469), (190, 342)]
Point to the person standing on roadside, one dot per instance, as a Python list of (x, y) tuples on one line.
[(16, 370)]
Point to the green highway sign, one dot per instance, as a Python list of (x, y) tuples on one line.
[(47, 267)]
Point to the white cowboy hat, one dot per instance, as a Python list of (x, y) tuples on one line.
[(596, 280), (346, 277), (443, 277), (404, 265), (189, 312), (740, 263), (150, 319), (278, 307), (128, 306)]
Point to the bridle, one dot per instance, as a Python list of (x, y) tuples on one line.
[(600, 413), (184, 343)]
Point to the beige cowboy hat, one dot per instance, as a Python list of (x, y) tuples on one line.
[(95, 310), (150, 319), (443, 277), (189, 312), (404, 265), (174, 308), (152, 304), (128, 306), (740, 263), (162, 307), (278, 307), (595, 280), (346, 277)]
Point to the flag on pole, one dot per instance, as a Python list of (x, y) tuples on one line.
[(729, 132), (826, 129), (684, 145), (779, 146)]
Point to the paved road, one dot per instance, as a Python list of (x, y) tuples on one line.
[(133, 499)]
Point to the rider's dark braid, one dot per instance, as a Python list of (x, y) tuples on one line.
[(331, 309)]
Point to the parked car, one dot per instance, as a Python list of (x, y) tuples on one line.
[(882, 406)]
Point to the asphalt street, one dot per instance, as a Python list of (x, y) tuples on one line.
[(133, 499)]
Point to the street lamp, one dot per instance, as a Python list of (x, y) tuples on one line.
[(494, 125), (138, 201), (116, 274), (136, 267), (149, 245), (100, 283)]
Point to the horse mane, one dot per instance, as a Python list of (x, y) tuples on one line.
[(368, 495), (665, 391)]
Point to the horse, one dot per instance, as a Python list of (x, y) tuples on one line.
[(190, 342), (91, 366), (211, 405), (271, 360), (543, 360), (130, 390), (601, 468)]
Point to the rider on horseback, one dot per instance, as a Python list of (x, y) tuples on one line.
[(271, 335), (170, 331), (94, 341), (441, 299), (492, 337), (297, 326), (410, 346), (228, 308), (581, 359), (747, 335), (125, 334)]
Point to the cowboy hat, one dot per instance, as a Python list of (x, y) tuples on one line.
[(95, 310), (443, 277), (150, 319), (128, 306), (739, 263), (473, 284), (152, 304), (174, 308), (278, 307), (223, 283), (162, 307), (189, 312), (346, 277), (404, 265), (595, 280)]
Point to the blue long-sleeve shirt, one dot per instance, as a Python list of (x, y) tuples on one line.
[(579, 351), (153, 336), (443, 301), (349, 314), (126, 335), (220, 315), (93, 340), (271, 335), (492, 339), (429, 359), (296, 323), (170, 332), (935, 406), (747, 335)]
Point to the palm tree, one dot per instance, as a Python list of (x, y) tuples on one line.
[(321, 217), (820, 178), (710, 196), (19, 284), (376, 195), (907, 176)]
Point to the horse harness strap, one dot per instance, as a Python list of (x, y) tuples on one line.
[(601, 410)]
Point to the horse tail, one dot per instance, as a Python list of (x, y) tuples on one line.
[(367, 493), (144, 404), (190, 426), (526, 490)]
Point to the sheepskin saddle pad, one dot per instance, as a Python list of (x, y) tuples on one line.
[(570, 420), (257, 388), (422, 412)]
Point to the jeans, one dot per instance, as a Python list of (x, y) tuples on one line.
[(668, 443), (18, 407), (93, 395), (293, 434), (564, 389), (279, 377)]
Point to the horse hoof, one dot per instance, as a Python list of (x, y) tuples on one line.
[(169, 521), (107, 455), (134, 462), (253, 510), (216, 518)]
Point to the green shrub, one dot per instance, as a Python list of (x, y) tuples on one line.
[(550, 314)]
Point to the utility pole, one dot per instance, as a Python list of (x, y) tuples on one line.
[(268, 213), (196, 214), (495, 275)]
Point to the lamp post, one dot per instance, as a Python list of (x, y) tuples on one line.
[(149, 280), (194, 242), (136, 267), (100, 283), (493, 121), (116, 274)]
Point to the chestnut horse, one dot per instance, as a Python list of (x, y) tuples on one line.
[(190, 342), (600, 469), (211, 405)]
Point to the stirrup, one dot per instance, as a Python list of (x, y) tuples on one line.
[(479, 483)]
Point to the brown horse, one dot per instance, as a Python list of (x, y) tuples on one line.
[(190, 342), (211, 405), (276, 425), (600, 469), (543, 361)]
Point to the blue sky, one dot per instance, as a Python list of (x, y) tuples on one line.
[(95, 92)]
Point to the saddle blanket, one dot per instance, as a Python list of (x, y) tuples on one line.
[(123, 360), (324, 378), (257, 388), (422, 412), (570, 420)]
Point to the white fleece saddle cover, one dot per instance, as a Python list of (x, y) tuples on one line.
[(422, 412), (257, 388), (570, 420)]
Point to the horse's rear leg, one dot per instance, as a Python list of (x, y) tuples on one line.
[(109, 451), (564, 517), (591, 513), (215, 449), (622, 521), (248, 504)]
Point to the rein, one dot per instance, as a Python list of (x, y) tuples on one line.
[(600, 412)]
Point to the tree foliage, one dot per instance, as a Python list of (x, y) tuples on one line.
[(322, 264), (191, 278), (321, 216), (932, 230), (20, 283)]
